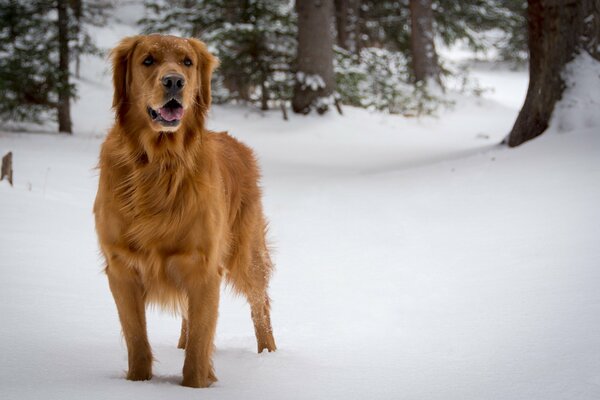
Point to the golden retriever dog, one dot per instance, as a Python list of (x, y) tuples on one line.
[(178, 206)]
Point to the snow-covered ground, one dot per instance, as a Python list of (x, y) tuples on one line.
[(415, 259)]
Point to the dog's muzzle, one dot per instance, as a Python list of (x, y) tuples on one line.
[(170, 114)]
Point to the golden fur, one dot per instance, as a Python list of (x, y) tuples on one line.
[(177, 208)]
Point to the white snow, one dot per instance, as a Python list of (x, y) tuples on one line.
[(314, 81), (579, 107), (415, 259), (501, 82)]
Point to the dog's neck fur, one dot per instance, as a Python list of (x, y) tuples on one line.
[(163, 161), (168, 156), (167, 151)]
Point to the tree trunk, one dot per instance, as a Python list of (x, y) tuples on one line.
[(64, 92), (315, 55), (346, 21), (77, 7), (264, 97), (424, 57), (358, 22), (557, 30), (341, 22)]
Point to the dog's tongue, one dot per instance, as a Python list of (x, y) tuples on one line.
[(171, 114)]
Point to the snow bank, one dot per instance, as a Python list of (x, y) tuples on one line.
[(580, 104)]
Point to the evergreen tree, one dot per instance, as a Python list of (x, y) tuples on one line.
[(346, 16), (29, 74), (257, 52), (380, 79), (465, 20), (387, 24), (85, 14), (34, 66)]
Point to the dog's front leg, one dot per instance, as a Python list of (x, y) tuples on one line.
[(202, 321), (127, 291), (201, 282)]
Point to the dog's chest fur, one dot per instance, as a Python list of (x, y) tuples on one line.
[(162, 204), (164, 213)]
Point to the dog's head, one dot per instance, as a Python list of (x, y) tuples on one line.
[(164, 78)]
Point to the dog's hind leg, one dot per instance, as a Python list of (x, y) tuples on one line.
[(261, 317), (252, 279), (183, 336), (260, 304)]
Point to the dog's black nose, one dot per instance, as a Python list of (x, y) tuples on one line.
[(173, 82)]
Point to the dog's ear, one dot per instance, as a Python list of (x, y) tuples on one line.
[(206, 65), (121, 57)]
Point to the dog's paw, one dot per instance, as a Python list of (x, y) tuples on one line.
[(267, 343), (199, 382), (139, 374), (269, 348)]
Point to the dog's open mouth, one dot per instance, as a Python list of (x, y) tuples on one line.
[(168, 115)]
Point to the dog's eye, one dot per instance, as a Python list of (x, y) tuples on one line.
[(187, 62), (148, 61)]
